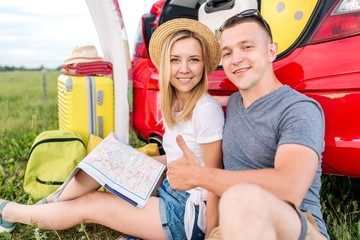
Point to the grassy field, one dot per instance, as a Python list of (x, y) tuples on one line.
[(28, 103)]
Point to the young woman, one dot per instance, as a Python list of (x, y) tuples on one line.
[(185, 52)]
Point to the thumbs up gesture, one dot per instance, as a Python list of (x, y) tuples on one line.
[(181, 171)]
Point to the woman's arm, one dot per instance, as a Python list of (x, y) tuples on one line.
[(212, 155), (161, 158)]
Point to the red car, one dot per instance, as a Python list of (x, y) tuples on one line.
[(319, 43)]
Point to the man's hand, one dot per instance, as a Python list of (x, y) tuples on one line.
[(181, 172)]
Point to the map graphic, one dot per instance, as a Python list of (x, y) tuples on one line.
[(123, 170)]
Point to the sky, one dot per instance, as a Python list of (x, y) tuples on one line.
[(36, 33)]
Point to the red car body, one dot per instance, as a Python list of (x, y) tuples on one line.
[(324, 64)]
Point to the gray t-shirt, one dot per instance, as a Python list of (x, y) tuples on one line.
[(251, 136)]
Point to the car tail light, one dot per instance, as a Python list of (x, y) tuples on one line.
[(140, 46), (342, 20), (146, 25)]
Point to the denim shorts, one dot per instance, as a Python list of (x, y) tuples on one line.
[(172, 211)]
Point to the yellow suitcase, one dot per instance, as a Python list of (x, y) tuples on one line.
[(86, 105)]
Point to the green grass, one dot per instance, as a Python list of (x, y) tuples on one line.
[(28, 107), (28, 100), (340, 201)]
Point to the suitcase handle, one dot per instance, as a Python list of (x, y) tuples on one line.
[(100, 126)]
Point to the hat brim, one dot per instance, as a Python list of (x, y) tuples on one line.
[(166, 29)]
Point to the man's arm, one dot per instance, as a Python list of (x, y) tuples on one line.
[(290, 179)]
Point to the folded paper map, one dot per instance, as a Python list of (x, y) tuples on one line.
[(121, 169)]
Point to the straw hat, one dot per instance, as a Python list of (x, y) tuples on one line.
[(166, 29), (83, 54)]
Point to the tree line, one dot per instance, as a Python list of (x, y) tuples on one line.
[(22, 68)]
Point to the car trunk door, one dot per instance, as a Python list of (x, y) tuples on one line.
[(111, 31), (290, 21)]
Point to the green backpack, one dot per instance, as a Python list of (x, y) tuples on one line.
[(52, 157)]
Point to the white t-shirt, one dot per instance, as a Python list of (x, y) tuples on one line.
[(205, 126)]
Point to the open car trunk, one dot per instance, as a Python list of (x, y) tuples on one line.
[(110, 27)]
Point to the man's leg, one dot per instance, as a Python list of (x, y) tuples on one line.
[(249, 212)]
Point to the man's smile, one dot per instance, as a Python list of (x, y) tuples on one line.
[(241, 70)]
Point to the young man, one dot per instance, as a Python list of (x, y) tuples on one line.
[(272, 144)]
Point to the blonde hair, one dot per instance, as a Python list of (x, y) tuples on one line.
[(167, 91)]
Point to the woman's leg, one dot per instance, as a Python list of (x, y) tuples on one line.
[(95, 207), (80, 184)]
